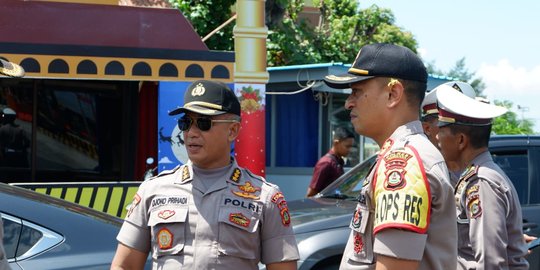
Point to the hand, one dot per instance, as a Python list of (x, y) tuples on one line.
[(528, 239)]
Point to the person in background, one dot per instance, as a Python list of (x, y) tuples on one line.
[(406, 215), (330, 166), (489, 213), (209, 213)]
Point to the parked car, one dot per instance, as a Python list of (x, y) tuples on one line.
[(42, 232), (321, 224)]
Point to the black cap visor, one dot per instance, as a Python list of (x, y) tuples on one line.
[(344, 81)]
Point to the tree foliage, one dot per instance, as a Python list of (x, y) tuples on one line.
[(207, 15)]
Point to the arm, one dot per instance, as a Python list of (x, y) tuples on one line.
[(291, 265), (128, 258), (320, 174), (387, 263)]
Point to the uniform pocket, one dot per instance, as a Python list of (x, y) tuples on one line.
[(238, 235), (168, 230), (362, 236)]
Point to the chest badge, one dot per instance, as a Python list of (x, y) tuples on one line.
[(247, 191), (239, 219), (165, 238), (165, 214)]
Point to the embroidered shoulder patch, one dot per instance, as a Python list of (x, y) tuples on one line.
[(401, 192)]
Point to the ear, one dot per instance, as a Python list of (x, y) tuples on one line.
[(462, 141), (234, 130), (396, 92)]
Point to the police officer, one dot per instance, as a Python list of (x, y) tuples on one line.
[(430, 116), (405, 217), (209, 213), (488, 208)]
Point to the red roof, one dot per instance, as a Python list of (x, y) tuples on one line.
[(37, 22)]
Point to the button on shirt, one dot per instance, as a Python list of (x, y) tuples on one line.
[(235, 223), (406, 207)]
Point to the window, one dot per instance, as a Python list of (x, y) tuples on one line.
[(516, 166), (65, 130)]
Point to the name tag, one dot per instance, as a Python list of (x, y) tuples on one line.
[(168, 200)]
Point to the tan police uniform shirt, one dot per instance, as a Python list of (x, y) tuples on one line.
[(406, 206), (234, 224), (489, 218)]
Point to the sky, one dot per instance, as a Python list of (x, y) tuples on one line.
[(500, 41)]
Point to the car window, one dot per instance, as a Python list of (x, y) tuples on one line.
[(350, 184), (12, 232), (29, 238), (24, 239), (516, 166)]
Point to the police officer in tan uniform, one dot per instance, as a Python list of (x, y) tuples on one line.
[(488, 209), (405, 217), (209, 213), (430, 117)]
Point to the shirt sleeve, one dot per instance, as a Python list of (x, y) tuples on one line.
[(135, 232), (487, 230), (278, 241)]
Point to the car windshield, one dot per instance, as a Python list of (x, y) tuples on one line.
[(349, 184)]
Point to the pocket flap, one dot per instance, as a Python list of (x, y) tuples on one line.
[(168, 215)]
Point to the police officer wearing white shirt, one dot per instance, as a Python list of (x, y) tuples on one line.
[(488, 208), (209, 213)]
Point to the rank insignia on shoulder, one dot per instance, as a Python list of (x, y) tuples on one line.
[(235, 176), (469, 172), (185, 173), (239, 219), (386, 146), (165, 238), (247, 190)]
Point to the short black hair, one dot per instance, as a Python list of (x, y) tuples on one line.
[(415, 92), (341, 133), (478, 135)]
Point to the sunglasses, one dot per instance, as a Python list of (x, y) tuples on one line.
[(203, 123)]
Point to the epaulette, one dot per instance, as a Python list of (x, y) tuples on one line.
[(166, 172), (469, 172)]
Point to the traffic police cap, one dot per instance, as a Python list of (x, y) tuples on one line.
[(429, 105), (457, 108), (10, 69), (381, 60), (209, 98)]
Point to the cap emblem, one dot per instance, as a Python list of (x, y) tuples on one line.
[(456, 86), (198, 90)]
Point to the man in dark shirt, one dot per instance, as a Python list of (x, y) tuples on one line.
[(330, 166)]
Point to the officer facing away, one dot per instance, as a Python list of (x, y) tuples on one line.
[(405, 217), (209, 213), (488, 208)]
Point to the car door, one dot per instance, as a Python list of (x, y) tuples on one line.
[(521, 164)]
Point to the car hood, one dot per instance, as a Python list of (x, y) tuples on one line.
[(314, 214)]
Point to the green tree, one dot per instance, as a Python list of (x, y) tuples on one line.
[(509, 123), (207, 15)]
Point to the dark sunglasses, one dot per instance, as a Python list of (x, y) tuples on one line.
[(203, 123)]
